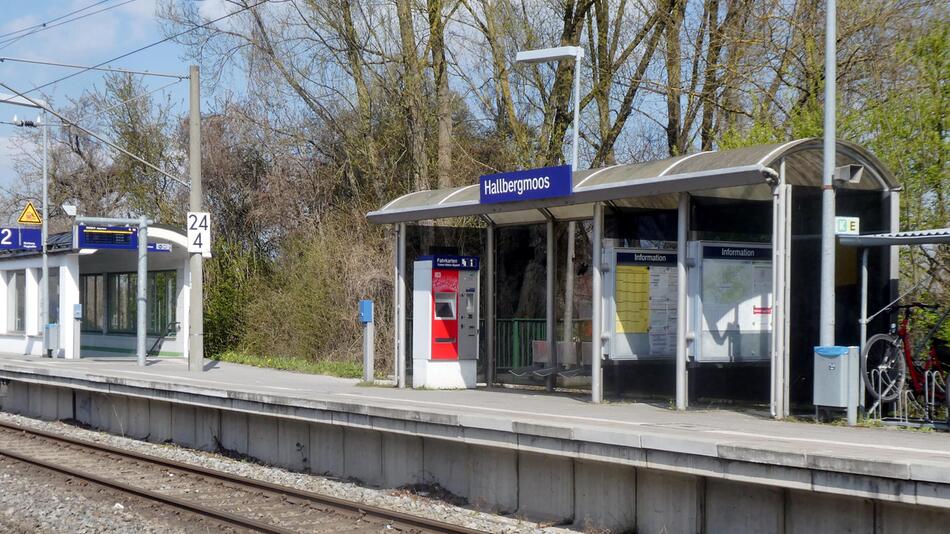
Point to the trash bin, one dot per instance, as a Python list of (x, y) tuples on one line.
[(836, 368)]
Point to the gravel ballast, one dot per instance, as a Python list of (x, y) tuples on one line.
[(49, 510)]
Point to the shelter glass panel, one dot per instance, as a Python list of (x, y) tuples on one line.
[(123, 309)]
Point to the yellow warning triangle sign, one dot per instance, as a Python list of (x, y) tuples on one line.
[(29, 215)]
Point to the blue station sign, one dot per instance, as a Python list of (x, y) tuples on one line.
[(116, 237), (21, 239), (531, 184), (462, 263)]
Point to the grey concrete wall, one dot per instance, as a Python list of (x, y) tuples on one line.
[(587, 494)]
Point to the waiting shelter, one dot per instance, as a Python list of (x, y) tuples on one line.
[(92, 297), (737, 224)]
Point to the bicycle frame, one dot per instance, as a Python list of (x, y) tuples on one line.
[(916, 371)]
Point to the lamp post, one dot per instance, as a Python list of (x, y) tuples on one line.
[(543, 56), (39, 122), (827, 285)]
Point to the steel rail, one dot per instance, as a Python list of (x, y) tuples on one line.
[(402, 519)]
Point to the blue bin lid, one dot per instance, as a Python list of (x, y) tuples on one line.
[(831, 351)]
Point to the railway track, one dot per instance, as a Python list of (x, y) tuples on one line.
[(237, 501)]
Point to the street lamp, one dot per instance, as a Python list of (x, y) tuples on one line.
[(546, 55), (39, 122)]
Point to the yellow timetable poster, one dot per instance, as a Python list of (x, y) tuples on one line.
[(633, 299)]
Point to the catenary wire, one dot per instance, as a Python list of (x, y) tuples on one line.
[(4, 59), (145, 47), (61, 17), (12, 40)]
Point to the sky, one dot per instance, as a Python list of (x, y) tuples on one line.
[(119, 27)]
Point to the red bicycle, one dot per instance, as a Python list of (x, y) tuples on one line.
[(887, 359)]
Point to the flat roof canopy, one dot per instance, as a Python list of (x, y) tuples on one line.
[(741, 173), (913, 237)]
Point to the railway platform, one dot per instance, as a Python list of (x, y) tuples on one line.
[(551, 457)]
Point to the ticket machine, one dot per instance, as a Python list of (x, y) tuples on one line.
[(445, 319)]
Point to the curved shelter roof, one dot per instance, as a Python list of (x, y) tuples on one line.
[(739, 173)]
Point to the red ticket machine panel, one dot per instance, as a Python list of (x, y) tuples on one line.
[(445, 323)]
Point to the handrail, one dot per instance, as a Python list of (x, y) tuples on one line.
[(169, 329)]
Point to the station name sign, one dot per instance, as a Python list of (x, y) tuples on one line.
[(462, 263), (646, 258), (725, 252), (531, 184)]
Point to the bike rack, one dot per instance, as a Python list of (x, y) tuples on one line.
[(933, 382)]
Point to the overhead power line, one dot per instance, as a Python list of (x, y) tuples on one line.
[(11, 40), (42, 24), (106, 69), (145, 47)]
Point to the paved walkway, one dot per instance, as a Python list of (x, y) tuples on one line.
[(927, 452)]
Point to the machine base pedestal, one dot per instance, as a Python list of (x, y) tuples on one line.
[(443, 374)]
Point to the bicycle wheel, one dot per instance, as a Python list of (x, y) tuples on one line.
[(883, 366)]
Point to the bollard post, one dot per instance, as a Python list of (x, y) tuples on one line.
[(369, 343)]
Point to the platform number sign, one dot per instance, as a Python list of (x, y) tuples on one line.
[(199, 232)]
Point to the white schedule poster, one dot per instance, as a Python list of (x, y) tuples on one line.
[(643, 325)]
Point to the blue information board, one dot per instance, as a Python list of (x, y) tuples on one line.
[(531, 184), (462, 263), (21, 239), (116, 237)]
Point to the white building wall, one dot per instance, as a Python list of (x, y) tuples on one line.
[(69, 327), (31, 319)]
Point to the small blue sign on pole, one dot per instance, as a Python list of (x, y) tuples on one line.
[(21, 239), (531, 184), (366, 311)]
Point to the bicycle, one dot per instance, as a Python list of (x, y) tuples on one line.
[(887, 358)]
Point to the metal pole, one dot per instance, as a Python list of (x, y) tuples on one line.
[(490, 304), (827, 311), (401, 300), (571, 226), (141, 300), (44, 281), (863, 322), (682, 232), (369, 351), (597, 338), (549, 304), (196, 299)]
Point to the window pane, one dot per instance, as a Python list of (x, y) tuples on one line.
[(16, 289), (53, 292), (92, 298)]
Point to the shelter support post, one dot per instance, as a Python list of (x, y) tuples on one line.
[(862, 324), (142, 284), (490, 305), (597, 337), (781, 241), (863, 321), (400, 305), (682, 232), (550, 323)]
